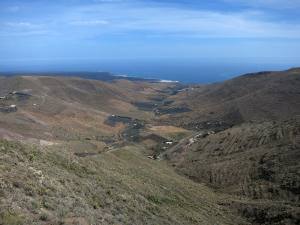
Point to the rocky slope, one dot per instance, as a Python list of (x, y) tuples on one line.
[(254, 152), (68, 155), (49, 185), (78, 151)]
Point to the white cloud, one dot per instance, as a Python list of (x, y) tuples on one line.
[(26, 25), (21, 28), (166, 20), (138, 17), (108, 1), (13, 9), (24, 33), (277, 4), (89, 22)]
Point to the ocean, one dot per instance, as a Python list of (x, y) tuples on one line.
[(185, 70)]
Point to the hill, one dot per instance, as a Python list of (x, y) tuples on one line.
[(57, 108), (251, 97), (49, 185), (134, 151), (65, 157), (259, 162), (247, 143)]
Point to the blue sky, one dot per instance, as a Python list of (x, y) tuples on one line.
[(33, 30)]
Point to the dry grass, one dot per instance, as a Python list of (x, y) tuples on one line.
[(51, 185)]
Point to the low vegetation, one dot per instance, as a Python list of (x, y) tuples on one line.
[(42, 185), (77, 151)]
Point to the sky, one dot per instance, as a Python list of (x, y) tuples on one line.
[(33, 31)]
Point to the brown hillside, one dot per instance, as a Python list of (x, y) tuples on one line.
[(247, 143), (262, 96), (241, 138)]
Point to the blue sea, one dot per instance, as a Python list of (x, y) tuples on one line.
[(186, 70)]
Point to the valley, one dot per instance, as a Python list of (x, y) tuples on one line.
[(126, 151)]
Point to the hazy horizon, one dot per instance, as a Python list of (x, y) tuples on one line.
[(186, 70), (166, 39)]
